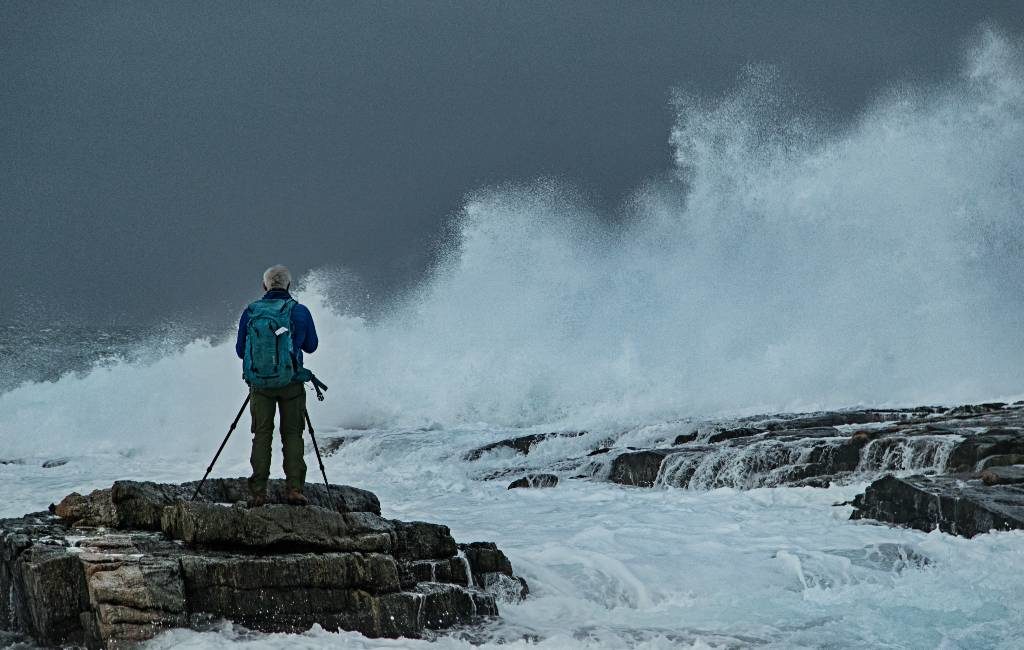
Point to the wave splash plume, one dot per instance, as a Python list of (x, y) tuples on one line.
[(787, 266), (784, 266)]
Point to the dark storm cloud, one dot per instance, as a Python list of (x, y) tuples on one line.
[(158, 155)]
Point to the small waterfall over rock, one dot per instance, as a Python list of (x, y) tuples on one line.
[(919, 454), (817, 450)]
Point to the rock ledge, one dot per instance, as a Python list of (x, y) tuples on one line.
[(120, 565)]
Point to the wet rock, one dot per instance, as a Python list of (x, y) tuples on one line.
[(419, 540), (639, 468), (277, 527), (803, 475), (492, 571), (69, 584), (813, 481), (804, 434), (535, 481), (946, 503), (504, 588), (967, 455), (139, 504), (56, 462), (1006, 475), (455, 570), (504, 472), (330, 446), (51, 584), (445, 605), (1000, 461), (975, 409), (337, 590), (945, 428), (801, 450), (522, 444), (731, 434), (861, 438), (486, 557), (837, 418)]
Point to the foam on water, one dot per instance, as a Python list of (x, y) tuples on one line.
[(613, 567), (788, 267)]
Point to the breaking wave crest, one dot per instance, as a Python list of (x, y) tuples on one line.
[(784, 266)]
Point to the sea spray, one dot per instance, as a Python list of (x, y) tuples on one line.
[(788, 267)]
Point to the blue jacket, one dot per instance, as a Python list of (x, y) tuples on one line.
[(303, 332)]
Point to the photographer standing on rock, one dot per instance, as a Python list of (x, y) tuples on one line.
[(273, 332)]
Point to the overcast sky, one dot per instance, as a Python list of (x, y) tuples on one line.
[(158, 155)]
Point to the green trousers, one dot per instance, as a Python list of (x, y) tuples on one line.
[(291, 401)]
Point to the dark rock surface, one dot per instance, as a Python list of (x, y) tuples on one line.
[(1000, 460), (140, 504), (993, 442), (534, 481), (947, 503), (639, 468), (120, 565), (491, 570), (1004, 475), (976, 487), (277, 526), (731, 434), (522, 444), (809, 450), (420, 540), (833, 419), (330, 446), (969, 460), (959, 470)]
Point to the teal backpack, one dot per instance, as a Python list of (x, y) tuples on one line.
[(269, 360)]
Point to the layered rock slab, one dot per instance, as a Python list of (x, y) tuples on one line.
[(810, 450), (139, 505), (953, 504), (277, 527), (273, 568)]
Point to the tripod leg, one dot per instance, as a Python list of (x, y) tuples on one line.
[(221, 448), (316, 448)]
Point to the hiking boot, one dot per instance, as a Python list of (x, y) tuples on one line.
[(256, 500), (297, 498)]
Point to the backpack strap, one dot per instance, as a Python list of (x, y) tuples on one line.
[(289, 305)]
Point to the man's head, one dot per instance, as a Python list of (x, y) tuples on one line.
[(277, 277)]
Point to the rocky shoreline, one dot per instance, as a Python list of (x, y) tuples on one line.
[(120, 565), (958, 470)]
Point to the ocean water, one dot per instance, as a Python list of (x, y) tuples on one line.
[(789, 266)]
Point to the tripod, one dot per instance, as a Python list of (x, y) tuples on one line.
[(312, 435), (221, 448)]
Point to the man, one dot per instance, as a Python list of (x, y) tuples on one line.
[(273, 332)]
